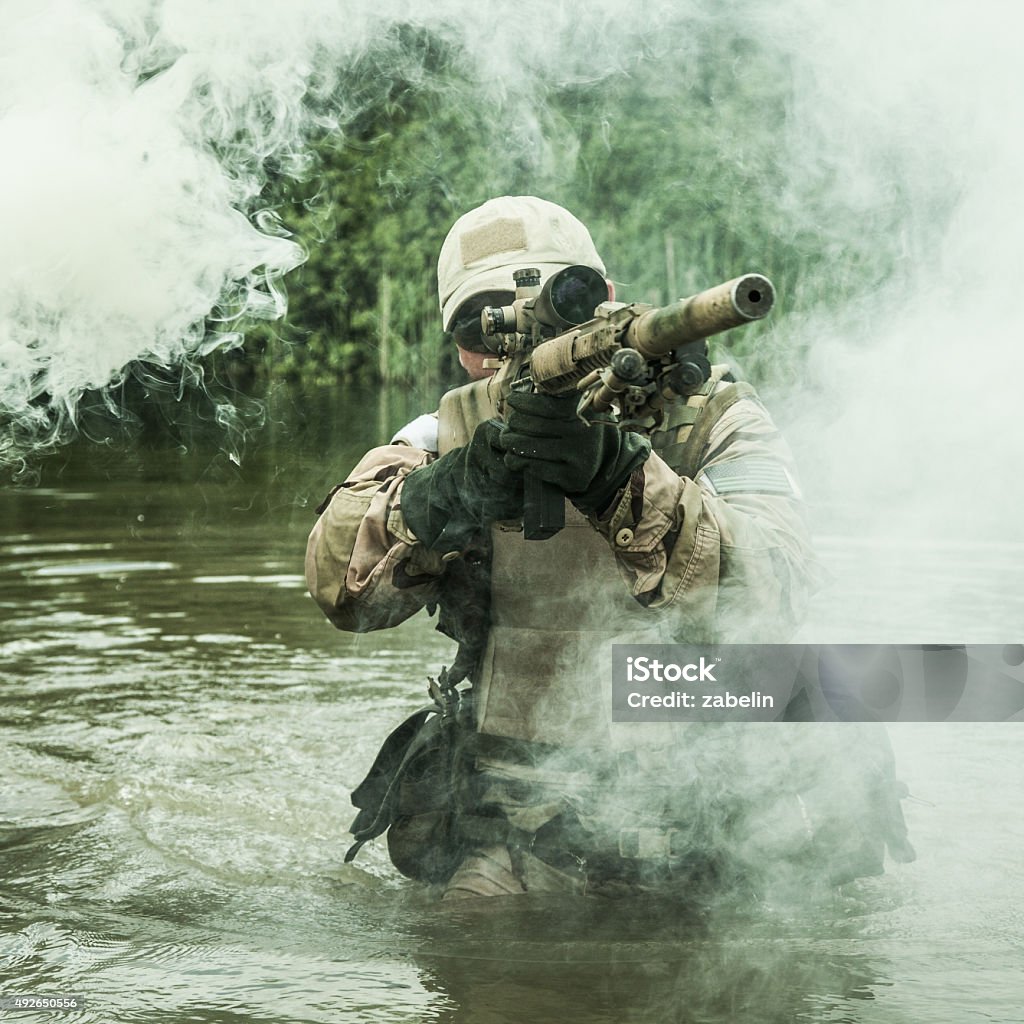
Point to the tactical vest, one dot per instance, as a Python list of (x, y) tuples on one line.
[(558, 604)]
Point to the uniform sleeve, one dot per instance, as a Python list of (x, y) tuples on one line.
[(363, 566), (729, 551)]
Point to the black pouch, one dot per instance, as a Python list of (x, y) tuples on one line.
[(408, 793), (377, 795)]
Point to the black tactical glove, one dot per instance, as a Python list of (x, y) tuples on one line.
[(462, 492), (587, 462)]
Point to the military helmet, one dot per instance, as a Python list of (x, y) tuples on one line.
[(487, 244)]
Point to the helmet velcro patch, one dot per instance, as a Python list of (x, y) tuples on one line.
[(507, 234)]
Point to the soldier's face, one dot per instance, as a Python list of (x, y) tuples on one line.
[(468, 335), (473, 363)]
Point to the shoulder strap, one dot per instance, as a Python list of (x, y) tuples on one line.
[(681, 444), (697, 441)]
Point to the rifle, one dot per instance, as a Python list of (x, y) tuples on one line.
[(631, 359)]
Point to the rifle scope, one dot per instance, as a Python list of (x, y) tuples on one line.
[(567, 299)]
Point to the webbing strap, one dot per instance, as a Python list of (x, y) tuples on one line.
[(682, 416), (699, 435), (684, 453)]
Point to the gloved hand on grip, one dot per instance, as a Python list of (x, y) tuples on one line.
[(587, 461), (462, 492)]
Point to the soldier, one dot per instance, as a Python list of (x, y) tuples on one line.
[(694, 534)]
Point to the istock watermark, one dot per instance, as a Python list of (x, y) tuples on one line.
[(809, 682)]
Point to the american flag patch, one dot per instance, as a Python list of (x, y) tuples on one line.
[(749, 475)]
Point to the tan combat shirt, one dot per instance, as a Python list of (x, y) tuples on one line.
[(728, 555)]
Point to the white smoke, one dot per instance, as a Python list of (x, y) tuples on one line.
[(135, 137), (915, 446), (910, 111), (123, 230)]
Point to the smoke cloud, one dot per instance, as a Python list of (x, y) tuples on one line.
[(126, 211), (906, 423), (136, 137), (908, 113)]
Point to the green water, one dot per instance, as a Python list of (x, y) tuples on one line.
[(180, 728)]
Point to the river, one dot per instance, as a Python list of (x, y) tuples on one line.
[(180, 729)]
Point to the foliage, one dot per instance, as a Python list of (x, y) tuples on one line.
[(678, 169)]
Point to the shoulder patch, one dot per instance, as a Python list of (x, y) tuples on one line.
[(752, 474)]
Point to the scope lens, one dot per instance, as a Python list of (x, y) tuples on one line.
[(576, 292)]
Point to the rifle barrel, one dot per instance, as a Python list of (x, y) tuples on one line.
[(732, 304)]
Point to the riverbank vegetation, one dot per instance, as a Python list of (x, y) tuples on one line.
[(683, 172)]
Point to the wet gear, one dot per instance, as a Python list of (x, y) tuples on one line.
[(411, 789), (587, 461)]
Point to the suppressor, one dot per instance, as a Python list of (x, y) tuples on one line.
[(732, 304)]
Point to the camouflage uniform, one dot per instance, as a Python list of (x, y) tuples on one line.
[(704, 542), (674, 557), (687, 548)]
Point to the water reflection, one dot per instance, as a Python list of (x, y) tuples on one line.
[(590, 961)]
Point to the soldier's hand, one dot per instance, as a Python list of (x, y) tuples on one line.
[(587, 461), (462, 492)]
